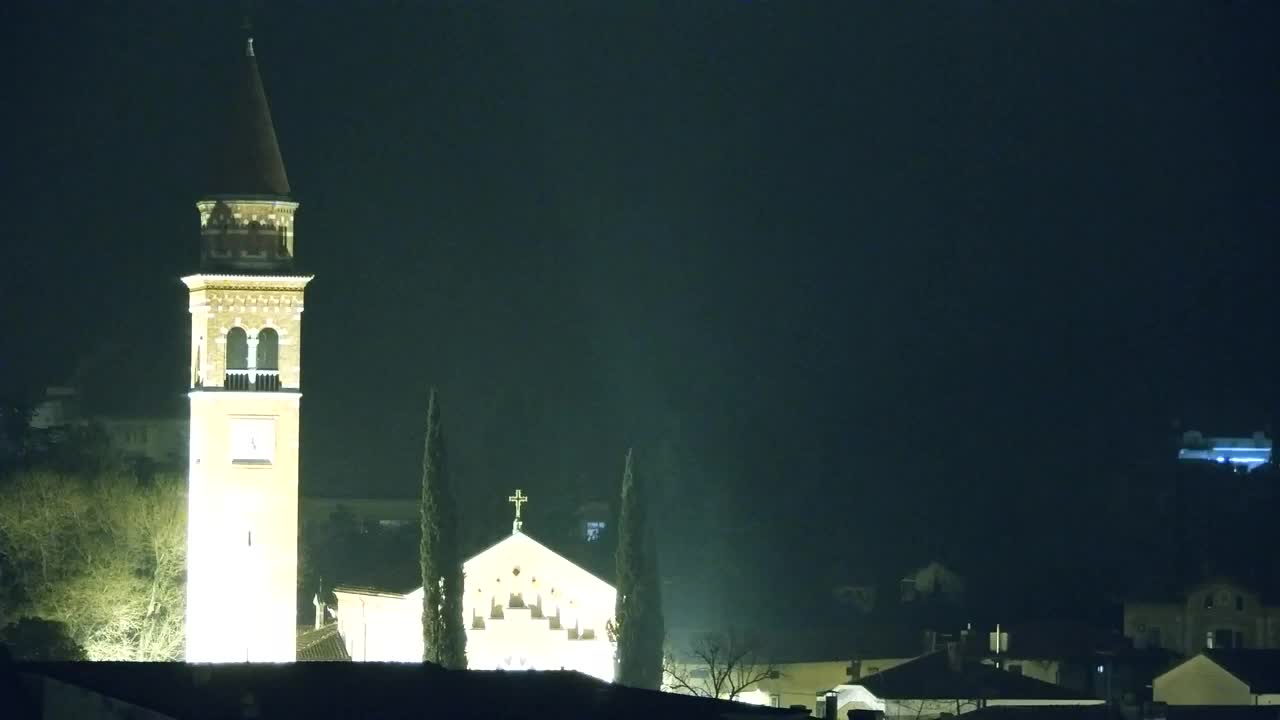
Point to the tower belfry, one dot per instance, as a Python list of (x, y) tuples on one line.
[(245, 387)]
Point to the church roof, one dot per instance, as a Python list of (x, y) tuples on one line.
[(320, 644), (522, 537), (247, 159)]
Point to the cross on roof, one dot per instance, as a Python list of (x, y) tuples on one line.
[(518, 499)]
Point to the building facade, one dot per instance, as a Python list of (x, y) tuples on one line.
[(525, 608), (1219, 614), (245, 388)]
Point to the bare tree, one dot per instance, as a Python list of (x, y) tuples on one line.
[(105, 556), (718, 665)]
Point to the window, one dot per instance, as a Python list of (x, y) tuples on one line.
[(1239, 640), (1208, 601), (268, 349), (1240, 603), (1222, 638), (1153, 637), (237, 349), (1208, 640)]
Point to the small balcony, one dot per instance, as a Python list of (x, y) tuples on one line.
[(252, 379)]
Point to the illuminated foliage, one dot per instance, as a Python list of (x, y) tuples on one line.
[(103, 555)]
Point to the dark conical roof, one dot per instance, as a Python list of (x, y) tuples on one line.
[(246, 155)]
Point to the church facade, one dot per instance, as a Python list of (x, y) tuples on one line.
[(526, 608), (245, 387)]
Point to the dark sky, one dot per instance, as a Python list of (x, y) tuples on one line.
[(879, 272)]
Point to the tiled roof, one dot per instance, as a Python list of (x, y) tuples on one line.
[(1259, 669), (388, 691), (932, 677), (321, 645), (247, 159)]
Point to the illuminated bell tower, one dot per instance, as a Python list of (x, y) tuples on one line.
[(245, 379)]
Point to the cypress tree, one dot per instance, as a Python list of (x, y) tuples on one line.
[(443, 637), (638, 625)]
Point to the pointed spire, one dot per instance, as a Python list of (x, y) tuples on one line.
[(247, 159)]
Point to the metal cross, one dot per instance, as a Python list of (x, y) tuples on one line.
[(518, 499)]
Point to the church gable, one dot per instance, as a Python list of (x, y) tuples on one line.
[(519, 577), (521, 553), (527, 607)]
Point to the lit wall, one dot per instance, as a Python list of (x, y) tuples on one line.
[(242, 534), (526, 608), (1200, 681)]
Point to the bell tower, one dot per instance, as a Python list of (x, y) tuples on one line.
[(245, 389)]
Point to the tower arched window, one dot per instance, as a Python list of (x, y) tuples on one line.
[(268, 349), (237, 349), (237, 360)]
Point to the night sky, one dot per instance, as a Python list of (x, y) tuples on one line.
[(890, 281)]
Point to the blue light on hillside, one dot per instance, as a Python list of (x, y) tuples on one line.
[(1247, 453)]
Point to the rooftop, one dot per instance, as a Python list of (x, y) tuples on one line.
[(1260, 669), (247, 160), (933, 677), (345, 690)]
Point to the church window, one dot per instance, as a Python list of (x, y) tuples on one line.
[(237, 349), (268, 349)]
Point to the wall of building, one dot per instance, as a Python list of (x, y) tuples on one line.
[(798, 683), (1200, 681), (1184, 627), (161, 440), (242, 533)]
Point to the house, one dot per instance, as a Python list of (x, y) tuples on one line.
[(1222, 677), (1218, 614), (318, 691), (945, 683)]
